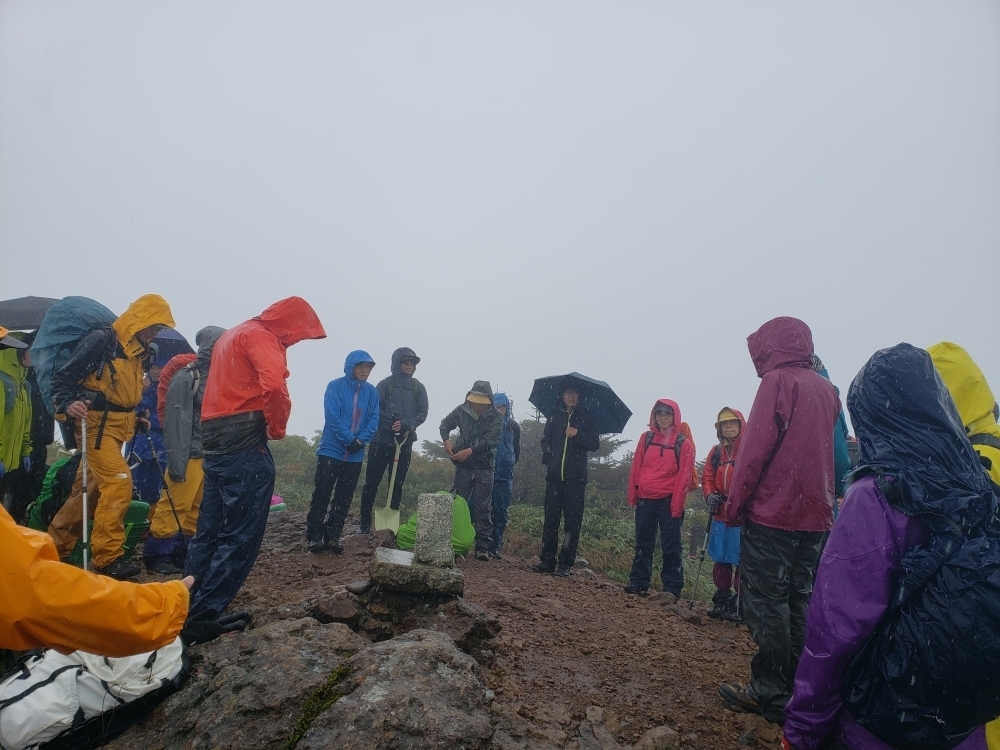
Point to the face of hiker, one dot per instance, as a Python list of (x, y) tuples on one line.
[(146, 335), (571, 399), (502, 409), (154, 373), (478, 409), (407, 366), (730, 429), (362, 371), (664, 419)]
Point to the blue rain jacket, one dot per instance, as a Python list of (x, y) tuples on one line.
[(351, 409)]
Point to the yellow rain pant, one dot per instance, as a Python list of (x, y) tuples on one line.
[(187, 502), (108, 470)]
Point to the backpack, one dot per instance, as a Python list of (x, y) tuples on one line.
[(927, 677), (65, 323), (989, 440), (678, 443), (56, 488), (79, 700)]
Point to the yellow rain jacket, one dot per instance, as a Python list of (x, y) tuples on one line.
[(46, 603), (974, 399), (15, 411)]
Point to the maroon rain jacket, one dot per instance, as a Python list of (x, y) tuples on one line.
[(784, 471)]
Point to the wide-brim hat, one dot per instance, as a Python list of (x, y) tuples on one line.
[(478, 398), (726, 415)]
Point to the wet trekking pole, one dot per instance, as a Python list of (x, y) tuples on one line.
[(701, 561), (83, 471), (166, 489)]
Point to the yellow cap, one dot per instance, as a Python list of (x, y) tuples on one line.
[(478, 398), (727, 415)]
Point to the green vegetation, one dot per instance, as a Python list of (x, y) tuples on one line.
[(608, 535), (322, 698)]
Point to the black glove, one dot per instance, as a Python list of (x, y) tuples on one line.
[(208, 625), (715, 501), (355, 446)]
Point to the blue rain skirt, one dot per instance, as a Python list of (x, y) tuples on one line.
[(724, 544)]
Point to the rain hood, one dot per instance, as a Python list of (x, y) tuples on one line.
[(781, 342), (292, 320), (148, 310)]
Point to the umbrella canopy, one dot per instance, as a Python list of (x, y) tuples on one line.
[(24, 313), (169, 344), (595, 395)]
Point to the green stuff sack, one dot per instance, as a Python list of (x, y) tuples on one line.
[(463, 535)]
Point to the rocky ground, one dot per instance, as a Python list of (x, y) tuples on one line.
[(557, 663)]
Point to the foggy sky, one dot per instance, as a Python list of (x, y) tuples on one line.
[(516, 190)]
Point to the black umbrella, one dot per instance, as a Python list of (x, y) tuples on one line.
[(595, 395), (169, 344), (24, 313)]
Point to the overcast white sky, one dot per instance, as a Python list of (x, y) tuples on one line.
[(516, 190)]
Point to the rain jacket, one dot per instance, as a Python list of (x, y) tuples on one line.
[(717, 474), (655, 473), (974, 399), (841, 456), (351, 408), (509, 448), (107, 366), (46, 603), (402, 395), (246, 389), (15, 411), (481, 433), (784, 476), (566, 458), (183, 399), (908, 430)]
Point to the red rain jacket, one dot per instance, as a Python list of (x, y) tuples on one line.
[(784, 472), (249, 367), (721, 479), (655, 474)]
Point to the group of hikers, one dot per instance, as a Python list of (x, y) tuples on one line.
[(849, 594)]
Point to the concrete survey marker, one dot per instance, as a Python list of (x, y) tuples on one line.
[(398, 570), (433, 544)]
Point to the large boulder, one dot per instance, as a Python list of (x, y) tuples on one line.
[(413, 692), (247, 690), (398, 570)]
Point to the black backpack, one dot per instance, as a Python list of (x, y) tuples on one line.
[(983, 439), (927, 677), (648, 441)]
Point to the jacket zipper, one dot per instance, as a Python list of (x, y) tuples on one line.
[(354, 417), (562, 467)]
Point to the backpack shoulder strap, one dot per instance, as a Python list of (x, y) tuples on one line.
[(678, 444), (983, 439), (9, 392), (716, 458)]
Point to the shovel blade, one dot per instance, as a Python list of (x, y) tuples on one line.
[(387, 518)]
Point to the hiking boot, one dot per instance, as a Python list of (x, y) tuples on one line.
[(630, 589), (316, 546), (544, 568), (738, 699), (482, 555), (365, 530), (120, 570), (335, 547), (562, 571), (164, 569), (720, 604), (494, 555), (733, 613)]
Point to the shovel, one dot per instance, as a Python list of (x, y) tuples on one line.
[(386, 517)]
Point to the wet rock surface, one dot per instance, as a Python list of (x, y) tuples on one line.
[(399, 571)]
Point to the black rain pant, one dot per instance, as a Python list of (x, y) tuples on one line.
[(337, 478), (563, 500), (380, 458)]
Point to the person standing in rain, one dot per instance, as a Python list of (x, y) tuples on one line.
[(402, 408), (351, 406), (246, 404), (508, 452), (570, 434), (147, 446), (657, 489), (175, 516), (102, 382), (782, 493), (473, 452)]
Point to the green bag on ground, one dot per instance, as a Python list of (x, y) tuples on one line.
[(463, 535)]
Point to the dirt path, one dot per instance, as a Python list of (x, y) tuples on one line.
[(566, 643)]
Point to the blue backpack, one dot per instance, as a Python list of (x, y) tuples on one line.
[(65, 323)]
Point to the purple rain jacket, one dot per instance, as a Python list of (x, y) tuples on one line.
[(856, 577)]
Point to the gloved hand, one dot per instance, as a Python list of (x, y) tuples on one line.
[(208, 625), (3, 469), (715, 501), (26, 463), (355, 446)]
